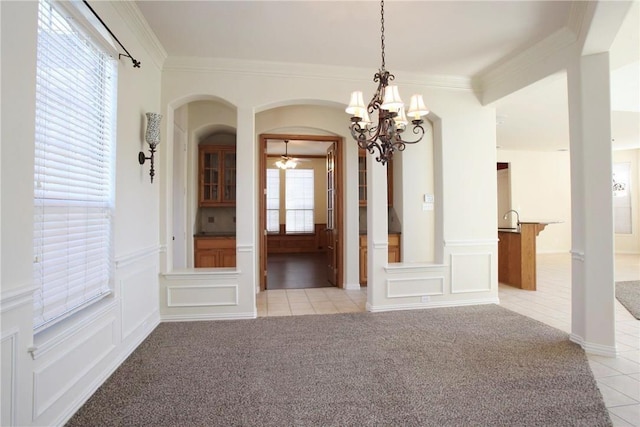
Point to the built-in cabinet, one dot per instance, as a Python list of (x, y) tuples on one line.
[(394, 253), (517, 255), (362, 179), (215, 251), (217, 175)]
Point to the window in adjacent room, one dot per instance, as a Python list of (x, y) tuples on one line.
[(299, 201), (622, 198), (73, 183)]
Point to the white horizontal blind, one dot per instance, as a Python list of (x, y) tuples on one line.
[(299, 200), (273, 200), (73, 162)]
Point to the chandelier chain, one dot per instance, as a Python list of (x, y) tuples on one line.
[(382, 31)]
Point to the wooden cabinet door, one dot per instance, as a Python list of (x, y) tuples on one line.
[(217, 175), (229, 177), (362, 179), (207, 259), (228, 258), (209, 176)]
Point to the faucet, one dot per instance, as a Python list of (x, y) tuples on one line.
[(517, 217)]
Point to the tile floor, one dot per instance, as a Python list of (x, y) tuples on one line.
[(618, 378)]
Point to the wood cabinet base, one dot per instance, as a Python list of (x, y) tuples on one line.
[(394, 254), (517, 256), (214, 252)]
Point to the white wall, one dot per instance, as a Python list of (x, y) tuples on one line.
[(630, 243), (72, 358), (541, 191), (464, 229)]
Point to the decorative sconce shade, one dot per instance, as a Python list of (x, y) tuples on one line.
[(152, 137)]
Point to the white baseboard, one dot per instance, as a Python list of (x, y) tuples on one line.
[(115, 364), (595, 349), (200, 317)]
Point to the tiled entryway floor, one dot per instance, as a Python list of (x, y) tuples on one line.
[(618, 378)]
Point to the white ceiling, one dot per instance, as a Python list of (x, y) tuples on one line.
[(446, 38)]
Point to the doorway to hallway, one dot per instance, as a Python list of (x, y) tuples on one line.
[(300, 212), (297, 271)]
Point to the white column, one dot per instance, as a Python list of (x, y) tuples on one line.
[(592, 267), (377, 232), (246, 209)]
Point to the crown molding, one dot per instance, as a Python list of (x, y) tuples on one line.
[(314, 71), (519, 64), (134, 19)]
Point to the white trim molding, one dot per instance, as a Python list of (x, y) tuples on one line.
[(577, 255), (200, 317), (14, 298), (595, 349), (415, 287), (245, 248), (132, 257), (11, 338), (200, 302), (455, 287)]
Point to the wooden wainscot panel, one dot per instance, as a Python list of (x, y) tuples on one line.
[(298, 243)]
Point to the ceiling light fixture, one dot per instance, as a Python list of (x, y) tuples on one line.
[(386, 136), (285, 161)]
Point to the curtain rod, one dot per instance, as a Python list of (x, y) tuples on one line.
[(136, 64)]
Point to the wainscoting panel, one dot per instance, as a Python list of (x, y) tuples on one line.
[(59, 375), (8, 346), (139, 297), (415, 287), (202, 295), (471, 272)]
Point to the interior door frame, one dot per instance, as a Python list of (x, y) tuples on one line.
[(262, 203)]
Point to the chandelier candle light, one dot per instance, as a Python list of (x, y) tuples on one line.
[(386, 136)]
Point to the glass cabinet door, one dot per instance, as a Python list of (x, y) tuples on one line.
[(362, 179), (211, 176), (229, 194)]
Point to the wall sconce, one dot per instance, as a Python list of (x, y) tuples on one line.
[(152, 136)]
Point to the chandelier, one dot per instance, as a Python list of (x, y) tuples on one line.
[(386, 135)]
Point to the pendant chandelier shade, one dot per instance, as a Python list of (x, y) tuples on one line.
[(384, 136)]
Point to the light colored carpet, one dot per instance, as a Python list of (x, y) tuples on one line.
[(628, 293), (461, 366)]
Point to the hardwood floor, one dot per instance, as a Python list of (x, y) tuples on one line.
[(297, 271)]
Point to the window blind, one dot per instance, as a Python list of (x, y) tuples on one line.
[(299, 201), (75, 83), (273, 200)]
